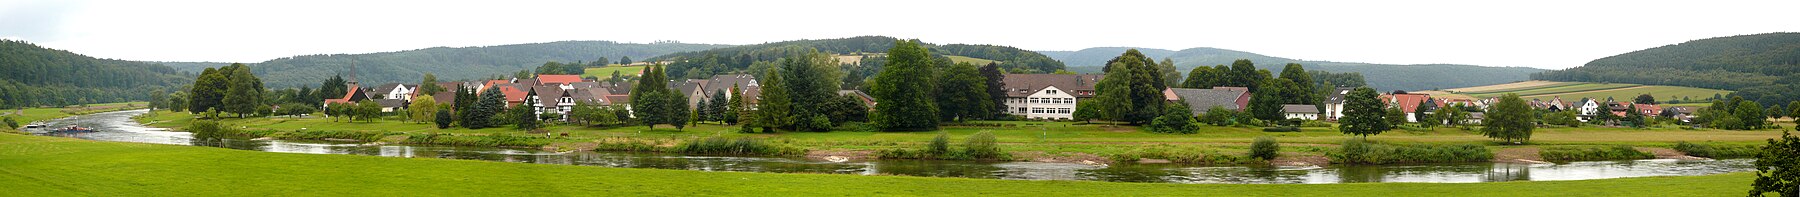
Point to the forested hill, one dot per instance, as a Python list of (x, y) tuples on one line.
[(452, 63), (191, 67), (1097, 56), (733, 59), (1378, 76), (31, 75), (1733, 62), (1761, 67)]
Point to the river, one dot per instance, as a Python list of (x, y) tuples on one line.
[(118, 126)]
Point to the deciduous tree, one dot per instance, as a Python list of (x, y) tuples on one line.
[(1363, 113), (1509, 119)]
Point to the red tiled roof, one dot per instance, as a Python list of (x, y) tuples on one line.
[(558, 79), (513, 94), (1407, 102)]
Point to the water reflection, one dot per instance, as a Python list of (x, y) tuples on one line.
[(117, 126)]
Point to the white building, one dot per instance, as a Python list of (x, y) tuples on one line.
[(1334, 104), (1303, 112), (395, 91), (1047, 96)]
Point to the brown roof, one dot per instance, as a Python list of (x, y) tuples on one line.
[(547, 95), (558, 79), (1021, 85)]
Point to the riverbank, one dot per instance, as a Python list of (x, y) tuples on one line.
[(32, 115), (1064, 142), (53, 166)]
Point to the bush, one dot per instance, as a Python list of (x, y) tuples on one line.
[(982, 146), (1282, 129), (476, 140), (11, 124), (1265, 148), (1315, 123), (1182, 155), (1592, 153), (940, 144), (740, 146), (1717, 151), (1357, 151), (322, 135)]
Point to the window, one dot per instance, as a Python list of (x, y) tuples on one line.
[(1063, 111), (1021, 110), (1037, 110), (1050, 91)]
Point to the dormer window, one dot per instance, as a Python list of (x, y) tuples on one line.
[(1050, 91)]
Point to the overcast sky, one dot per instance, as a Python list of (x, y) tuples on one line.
[(1543, 34)]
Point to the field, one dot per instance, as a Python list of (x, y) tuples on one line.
[(970, 60), (51, 166), (26, 116), (1050, 140), (1571, 91), (606, 72)]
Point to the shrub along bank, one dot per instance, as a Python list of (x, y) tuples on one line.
[(1717, 151), (1592, 153), (1357, 151)]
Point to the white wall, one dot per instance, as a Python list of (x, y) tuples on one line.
[(1049, 103)]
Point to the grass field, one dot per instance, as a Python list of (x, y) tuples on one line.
[(970, 60), (1052, 138), (51, 166), (606, 72), (1571, 91), (28, 115)]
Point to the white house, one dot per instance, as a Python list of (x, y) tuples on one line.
[(1047, 96), (395, 91), (1334, 104), (1303, 112), (1587, 108)]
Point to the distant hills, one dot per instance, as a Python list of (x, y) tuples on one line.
[(1732, 62), (31, 75), (450, 63), (1762, 67), (1378, 76)]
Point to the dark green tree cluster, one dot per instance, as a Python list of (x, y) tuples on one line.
[(903, 90), (229, 89), (701, 64), (558, 68), (1131, 91), (480, 112), (1510, 119), (654, 102), (1363, 114), (1778, 167), (1735, 114), (1734, 62), (962, 94), (1294, 86)]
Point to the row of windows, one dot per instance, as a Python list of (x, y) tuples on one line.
[(1050, 110), (1053, 100)]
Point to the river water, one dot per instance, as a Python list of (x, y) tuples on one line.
[(118, 126)]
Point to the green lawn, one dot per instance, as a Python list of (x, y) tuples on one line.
[(606, 72), (51, 166), (28, 115), (1030, 136)]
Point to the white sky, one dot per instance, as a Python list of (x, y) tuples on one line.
[(1543, 34)]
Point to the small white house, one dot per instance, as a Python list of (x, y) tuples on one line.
[(1303, 112)]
